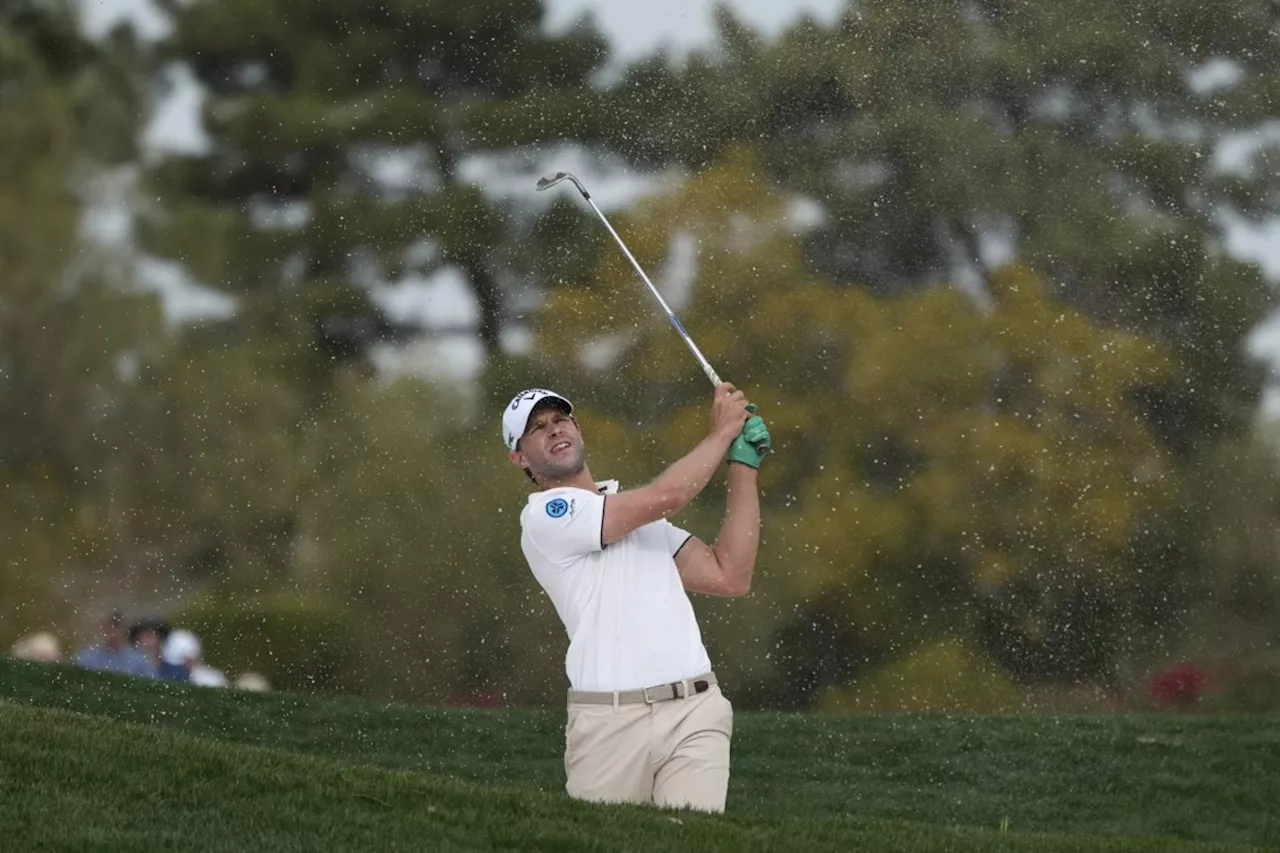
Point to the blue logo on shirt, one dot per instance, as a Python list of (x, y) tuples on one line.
[(557, 507)]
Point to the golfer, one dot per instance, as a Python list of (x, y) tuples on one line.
[(647, 722)]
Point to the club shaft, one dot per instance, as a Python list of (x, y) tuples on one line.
[(688, 339), (762, 447)]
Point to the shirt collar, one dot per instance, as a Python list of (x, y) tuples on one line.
[(604, 487)]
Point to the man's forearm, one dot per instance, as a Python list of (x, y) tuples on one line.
[(739, 538), (689, 474)]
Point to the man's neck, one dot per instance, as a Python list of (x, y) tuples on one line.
[(581, 480)]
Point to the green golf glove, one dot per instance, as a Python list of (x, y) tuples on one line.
[(752, 444)]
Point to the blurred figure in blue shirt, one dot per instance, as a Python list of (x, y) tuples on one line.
[(113, 653)]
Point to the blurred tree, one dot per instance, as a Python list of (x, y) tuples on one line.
[(410, 524), (70, 331), (1000, 467), (372, 526), (1238, 593), (214, 476), (942, 139), (337, 133), (337, 136)]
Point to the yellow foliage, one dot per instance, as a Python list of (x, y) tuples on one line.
[(925, 429), (945, 676)]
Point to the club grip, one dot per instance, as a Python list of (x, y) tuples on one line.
[(762, 447)]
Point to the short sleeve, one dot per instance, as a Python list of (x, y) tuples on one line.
[(566, 523), (676, 537)]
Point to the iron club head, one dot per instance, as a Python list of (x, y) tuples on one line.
[(551, 180)]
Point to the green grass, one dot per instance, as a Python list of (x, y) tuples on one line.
[(159, 766)]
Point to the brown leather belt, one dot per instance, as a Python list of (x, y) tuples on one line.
[(682, 689)]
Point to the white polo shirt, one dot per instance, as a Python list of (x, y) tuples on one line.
[(629, 620)]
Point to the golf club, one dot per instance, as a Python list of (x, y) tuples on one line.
[(548, 182)]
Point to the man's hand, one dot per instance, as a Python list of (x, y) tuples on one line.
[(753, 433), (728, 411)]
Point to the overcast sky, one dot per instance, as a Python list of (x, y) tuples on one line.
[(634, 27)]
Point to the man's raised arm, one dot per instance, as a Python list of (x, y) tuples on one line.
[(681, 482)]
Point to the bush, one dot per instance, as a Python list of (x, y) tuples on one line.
[(297, 644), (1256, 692), (944, 676), (1251, 686)]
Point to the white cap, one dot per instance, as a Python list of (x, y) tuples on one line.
[(207, 676), (254, 681), (516, 416), (181, 646), (41, 646)]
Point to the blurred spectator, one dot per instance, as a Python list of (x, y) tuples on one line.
[(113, 654), (41, 646), (183, 649), (149, 636), (253, 681)]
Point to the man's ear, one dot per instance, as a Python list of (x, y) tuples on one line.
[(517, 459)]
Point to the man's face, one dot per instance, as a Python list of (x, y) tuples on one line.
[(113, 633), (551, 447), (149, 641)]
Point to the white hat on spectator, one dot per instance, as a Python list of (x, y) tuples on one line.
[(254, 681), (41, 646), (181, 648), (207, 676)]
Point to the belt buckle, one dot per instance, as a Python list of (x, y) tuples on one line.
[(673, 686)]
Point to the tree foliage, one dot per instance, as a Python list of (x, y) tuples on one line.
[(941, 137), (337, 136), (935, 455), (966, 258), (68, 332)]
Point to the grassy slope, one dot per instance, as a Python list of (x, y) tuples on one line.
[(337, 771)]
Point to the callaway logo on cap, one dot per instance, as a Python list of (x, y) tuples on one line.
[(516, 415)]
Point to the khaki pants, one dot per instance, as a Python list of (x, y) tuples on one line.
[(671, 754)]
